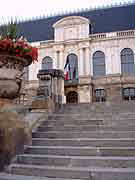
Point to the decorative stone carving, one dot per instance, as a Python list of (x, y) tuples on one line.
[(70, 21), (11, 72)]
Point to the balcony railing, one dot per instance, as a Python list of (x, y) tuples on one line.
[(130, 33), (72, 82), (100, 36)]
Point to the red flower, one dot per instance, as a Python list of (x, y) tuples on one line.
[(35, 53), (19, 48)]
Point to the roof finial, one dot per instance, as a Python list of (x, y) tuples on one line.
[(125, 3)]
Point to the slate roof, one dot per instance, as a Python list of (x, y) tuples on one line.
[(103, 20)]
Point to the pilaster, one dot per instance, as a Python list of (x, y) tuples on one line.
[(80, 62)]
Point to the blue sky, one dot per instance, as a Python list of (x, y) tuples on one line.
[(27, 9)]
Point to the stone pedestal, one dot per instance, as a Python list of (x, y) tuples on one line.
[(48, 105), (14, 132), (51, 90), (13, 128)]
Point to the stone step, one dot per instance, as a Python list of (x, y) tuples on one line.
[(99, 107), (99, 111), (81, 112), (109, 142), (76, 161), (105, 105), (89, 117), (75, 173), (102, 106), (79, 116), (84, 134), (85, 128), (4, 176), (72, 122), (84, 142), (130, 122), (81, 151), (83, 116)]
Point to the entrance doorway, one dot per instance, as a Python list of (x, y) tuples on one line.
[(72, 97)]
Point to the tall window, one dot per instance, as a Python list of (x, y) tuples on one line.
[(47, 63), (72, 61), (100, 95), (127, 62), (129, 94), (99, 64)]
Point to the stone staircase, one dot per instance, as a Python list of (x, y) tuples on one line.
[(84, 142)]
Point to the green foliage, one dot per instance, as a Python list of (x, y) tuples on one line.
[(10, 30)]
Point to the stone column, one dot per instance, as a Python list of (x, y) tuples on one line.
[(87, 55), (55, 62), (61, 96), (80, 62), (54, 89), (61, 62)]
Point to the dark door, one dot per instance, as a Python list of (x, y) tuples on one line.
[(72, 97)]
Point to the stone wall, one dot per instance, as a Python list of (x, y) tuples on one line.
[(112, 84), (86, 86), (14, 131), (16, 125), (110, 44)]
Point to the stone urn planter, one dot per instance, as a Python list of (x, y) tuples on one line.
[(13, 133), (15, 54), (11, 72)]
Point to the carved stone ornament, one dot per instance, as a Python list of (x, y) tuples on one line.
[(11, 72), (70, 21), (44, 77)]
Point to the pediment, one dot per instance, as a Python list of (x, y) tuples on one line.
[(70, 21)]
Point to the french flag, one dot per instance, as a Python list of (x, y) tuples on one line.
[(66, 70)]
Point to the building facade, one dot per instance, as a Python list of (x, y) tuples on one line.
[(96, 48)]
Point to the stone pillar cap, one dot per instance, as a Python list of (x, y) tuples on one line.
[(52, 72)]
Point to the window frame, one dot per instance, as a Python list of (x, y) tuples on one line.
[(130, 96), (127, 62), (99, 64), (102, 95), (49, 63), (73, 68)]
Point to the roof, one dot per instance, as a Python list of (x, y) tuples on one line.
[(103, 20)]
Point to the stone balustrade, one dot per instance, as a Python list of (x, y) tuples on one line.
[(118, 34), (112, 35)]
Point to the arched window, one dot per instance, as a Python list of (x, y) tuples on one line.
[(47, 63), (71, 66), (99, 64), (127, 62), (100, 95), (129, 93)]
